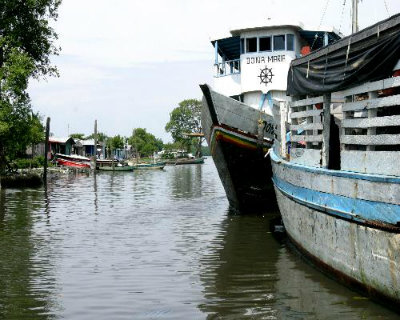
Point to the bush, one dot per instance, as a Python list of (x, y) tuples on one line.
[(36, 162)]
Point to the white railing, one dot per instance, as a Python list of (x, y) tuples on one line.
[(227, 68)]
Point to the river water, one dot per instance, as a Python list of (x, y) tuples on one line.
[(154, 245)]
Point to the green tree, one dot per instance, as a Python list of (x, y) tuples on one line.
[(26, 42), (112, 143), (80, 136), (101, 137), (185, 120), (144, 143)]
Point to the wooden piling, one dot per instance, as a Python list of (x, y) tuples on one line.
[(46, 150), (95, 145)]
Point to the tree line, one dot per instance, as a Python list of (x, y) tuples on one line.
[(27, 41)]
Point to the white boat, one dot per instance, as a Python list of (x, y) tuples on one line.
[(251, 67), (338, 180)]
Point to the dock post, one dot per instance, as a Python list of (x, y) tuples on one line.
[(95, 145), (326, 130), (46, 150)]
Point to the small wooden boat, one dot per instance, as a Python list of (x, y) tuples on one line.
[(149, 166), (189, 161), (116, 168), (74, 161)]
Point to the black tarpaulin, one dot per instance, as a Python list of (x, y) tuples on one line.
[(368, 55)]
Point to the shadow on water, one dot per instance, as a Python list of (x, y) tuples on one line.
[(27, 283), (248, 273)]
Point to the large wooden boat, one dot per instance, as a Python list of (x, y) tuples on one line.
[(251, 68), (337, 181)]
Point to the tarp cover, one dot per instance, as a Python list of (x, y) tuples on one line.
[(368, 55)]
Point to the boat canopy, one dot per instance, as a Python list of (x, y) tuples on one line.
[(368, 55), (228, 47), (316, 39)]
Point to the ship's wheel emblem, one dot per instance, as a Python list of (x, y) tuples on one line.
[(266, 75)]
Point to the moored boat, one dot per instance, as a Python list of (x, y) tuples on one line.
[(116, 168), (189, 161), (338, 181), (74, 161), (149, 166), (237, 120)]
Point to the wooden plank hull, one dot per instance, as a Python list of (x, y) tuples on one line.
[(346, 223), (116, 168), (231, 130)]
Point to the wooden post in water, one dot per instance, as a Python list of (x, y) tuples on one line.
[(326, 130), (112, 157), (95, 145), (46, 150)]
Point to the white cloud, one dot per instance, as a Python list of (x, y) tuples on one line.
[(129, 62)]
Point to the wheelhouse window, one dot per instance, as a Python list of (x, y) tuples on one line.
[(290, 42), (241, 45), (279, 42), (265, 44), (251, 45)]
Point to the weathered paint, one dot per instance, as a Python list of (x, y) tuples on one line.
[(239, 139), (346, 184), (238, 154), (366, 255), (350, 208)]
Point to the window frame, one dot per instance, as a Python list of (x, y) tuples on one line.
[(246, 44), (293, 42), (270, 44), (284, 42)]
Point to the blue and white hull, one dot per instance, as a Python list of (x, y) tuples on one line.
[(332, 217)]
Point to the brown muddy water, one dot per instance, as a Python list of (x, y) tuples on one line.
[(154, 245)]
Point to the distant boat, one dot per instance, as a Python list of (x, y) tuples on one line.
[(73, 161), (116, 168), (149, 166), (189, 161)]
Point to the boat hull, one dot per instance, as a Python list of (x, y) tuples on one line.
[(238, 151), (329, 216), (73, 164), (189, 161), (116, 168), (149, 166)]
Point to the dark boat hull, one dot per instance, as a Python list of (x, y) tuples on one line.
[(239, 155)]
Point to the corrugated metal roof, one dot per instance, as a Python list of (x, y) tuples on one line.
[(60, 140)]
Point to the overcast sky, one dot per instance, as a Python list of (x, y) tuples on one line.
[(128, 63)]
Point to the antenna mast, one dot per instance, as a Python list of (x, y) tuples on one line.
[(354, 25)]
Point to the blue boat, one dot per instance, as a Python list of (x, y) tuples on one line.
[(336, 171)]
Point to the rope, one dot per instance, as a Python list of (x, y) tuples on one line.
[(341, 16), (387, 9), (320, 23)]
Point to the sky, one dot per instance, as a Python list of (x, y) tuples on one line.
[(128, 63)]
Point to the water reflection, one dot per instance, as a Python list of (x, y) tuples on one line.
[(239, 273), (27, 282), (154, 244), (247, 273), (187, 181)]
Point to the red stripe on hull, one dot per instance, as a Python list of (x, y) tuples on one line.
[(73, 164)]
